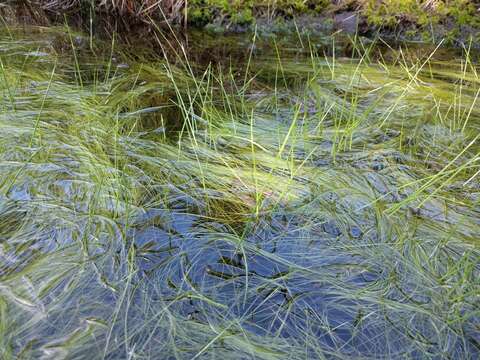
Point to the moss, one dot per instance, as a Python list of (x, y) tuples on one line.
[(243, 12), (202, 12), (426, 36), (391, 12), (199, 13), (415, 15)]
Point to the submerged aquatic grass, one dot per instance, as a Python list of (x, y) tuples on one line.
[(317, 207)]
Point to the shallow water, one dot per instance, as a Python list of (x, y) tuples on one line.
[(319, 199)]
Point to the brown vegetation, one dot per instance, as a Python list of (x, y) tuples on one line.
[(131, 10)]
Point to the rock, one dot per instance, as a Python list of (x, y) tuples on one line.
[(348, 21), (355, 232), (331, 228)]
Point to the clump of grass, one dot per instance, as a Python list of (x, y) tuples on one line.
[(152, 210)]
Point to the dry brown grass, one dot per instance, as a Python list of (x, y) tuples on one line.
[(171, 10)]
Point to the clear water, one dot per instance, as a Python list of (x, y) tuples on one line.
[(321, 206)]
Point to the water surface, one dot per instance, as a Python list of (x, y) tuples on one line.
[(304, 199)]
